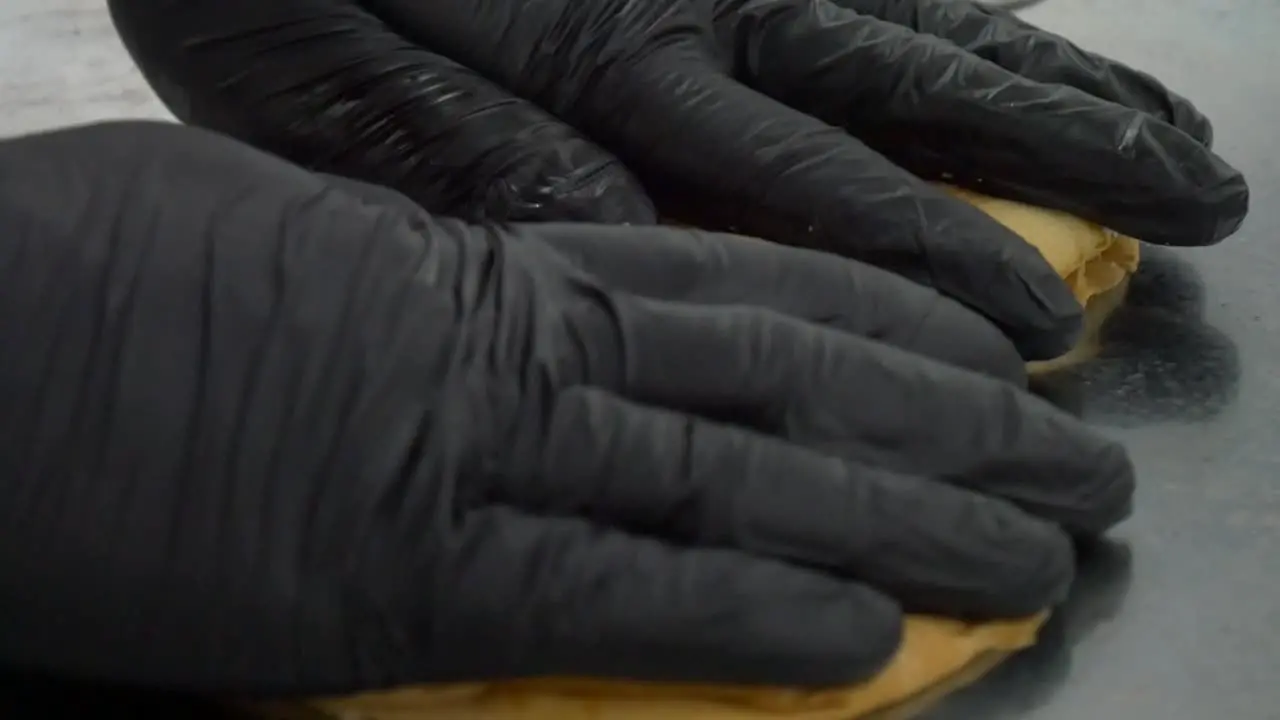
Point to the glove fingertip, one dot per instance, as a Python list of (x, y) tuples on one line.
[(796, 627), (878, 644), (1190, 121), (1058, 328), (1202, 198), (963, 338), (851, 639), (1047, 582), (1034, 574), (1228, 205), (1105, 499)]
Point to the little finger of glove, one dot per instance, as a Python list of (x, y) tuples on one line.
[(531, 596)]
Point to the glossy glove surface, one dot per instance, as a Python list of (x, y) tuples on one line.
[(808, 122), (265, 431)]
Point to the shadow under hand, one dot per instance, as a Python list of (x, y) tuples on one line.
[(1031, 677), (1154, 358), (26, 695)]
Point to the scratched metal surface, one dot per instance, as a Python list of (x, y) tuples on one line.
[(1182, 620)]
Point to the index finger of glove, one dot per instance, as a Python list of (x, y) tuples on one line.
[(940, 111), (878, 405), (554, 596), (669, 263), (1022, 48)]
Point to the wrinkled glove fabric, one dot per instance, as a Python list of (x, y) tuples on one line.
[(937, 655), (811, 122), (275, 434)]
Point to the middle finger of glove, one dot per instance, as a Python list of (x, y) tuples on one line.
[(872, 403)]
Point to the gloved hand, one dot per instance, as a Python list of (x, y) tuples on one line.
[(807, 122), (264, 431)]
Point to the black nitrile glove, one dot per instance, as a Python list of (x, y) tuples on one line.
[(267, 432), (802, 121)]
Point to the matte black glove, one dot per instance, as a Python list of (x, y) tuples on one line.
[(265, 432), (740, 114)]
